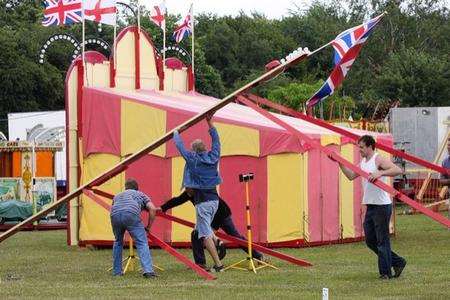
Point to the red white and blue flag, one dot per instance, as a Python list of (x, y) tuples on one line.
[(62, 12), (184, 29), (347, 46)]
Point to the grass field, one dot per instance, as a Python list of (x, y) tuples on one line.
[(40, 265)]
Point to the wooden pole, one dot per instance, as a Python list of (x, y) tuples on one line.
[(427, 180)]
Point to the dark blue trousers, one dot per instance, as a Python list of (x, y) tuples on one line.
[(376, 230), (228, 227)]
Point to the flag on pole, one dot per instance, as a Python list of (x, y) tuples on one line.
[(61, 12), (100, 11), (185, 28), (158, 15), (347, 46)]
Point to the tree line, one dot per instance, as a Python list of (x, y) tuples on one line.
[(406, 59)]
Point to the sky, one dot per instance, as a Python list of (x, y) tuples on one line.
[(274, 9)]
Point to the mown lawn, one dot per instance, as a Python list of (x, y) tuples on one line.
[(40, 265)]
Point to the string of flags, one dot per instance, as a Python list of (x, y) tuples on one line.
[(346, 45), (69, 12)]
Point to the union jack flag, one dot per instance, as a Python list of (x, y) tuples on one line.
[(185, 29), (347, 46), (61, 12)]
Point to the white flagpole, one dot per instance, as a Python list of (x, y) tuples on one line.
[(83, 39), (114, 41), (139, 17), (164, 40), (193, 39)]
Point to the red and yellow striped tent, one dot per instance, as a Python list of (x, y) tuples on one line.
[(298, 195)]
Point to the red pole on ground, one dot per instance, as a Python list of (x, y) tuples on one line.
[(243, 243), (200, 271)]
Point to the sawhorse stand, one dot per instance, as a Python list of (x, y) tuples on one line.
[(250, 260), (130, 261)]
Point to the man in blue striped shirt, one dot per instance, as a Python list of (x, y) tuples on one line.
[(126, 216)]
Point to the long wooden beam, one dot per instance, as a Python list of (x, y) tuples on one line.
[(344, 132), (435, 216), (123, 165)]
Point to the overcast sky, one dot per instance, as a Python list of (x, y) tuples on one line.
[(271, 8)]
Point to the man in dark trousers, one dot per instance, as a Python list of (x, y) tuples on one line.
[(379, 206), (222, 220)]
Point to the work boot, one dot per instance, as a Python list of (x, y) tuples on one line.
[(218, 269), (151, 275), (398, 270)]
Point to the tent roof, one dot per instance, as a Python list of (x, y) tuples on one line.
[(194, 103)]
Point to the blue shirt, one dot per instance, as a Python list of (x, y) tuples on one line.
[(446, 164), (130, 201), (201, 169)]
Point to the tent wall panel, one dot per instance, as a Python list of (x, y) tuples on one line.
[(148, 73), (125, 64), (175, 80), (186, 211), (315, 196), (95, 222), (346, 197), (154, 177), (284, 190), (233, 192), (97, 74), (198, 131), (304, 184), (101, 123), (238, 140), (330, 197), (140, 125), (273, 142)]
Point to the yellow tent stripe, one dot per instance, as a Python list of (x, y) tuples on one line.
[(346, 197), (284, 205), (186, 211)]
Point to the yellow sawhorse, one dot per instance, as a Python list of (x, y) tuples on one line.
[(130, 261)]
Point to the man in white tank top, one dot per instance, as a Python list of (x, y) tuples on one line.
[(379, 206)]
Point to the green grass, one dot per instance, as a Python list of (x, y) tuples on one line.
[(40, 265)]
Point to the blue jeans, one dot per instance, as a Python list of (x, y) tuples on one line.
[(205, 212), (125, 221), (228, 226), (376, 229)]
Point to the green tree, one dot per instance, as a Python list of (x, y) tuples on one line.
[(416, 78)]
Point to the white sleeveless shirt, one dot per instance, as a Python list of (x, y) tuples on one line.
[(373, 194)]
